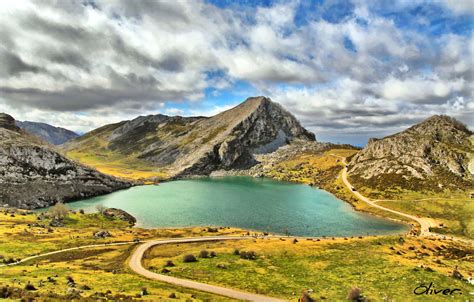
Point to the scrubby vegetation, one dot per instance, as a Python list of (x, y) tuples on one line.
[(97, 273), (360, 269), (189, 258)]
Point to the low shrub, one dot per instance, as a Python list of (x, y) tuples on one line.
[(169, 263), (355, 295), (30, 286), (204, 254), (250, 255), (189, 258)]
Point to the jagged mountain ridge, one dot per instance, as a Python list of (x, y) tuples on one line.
[(33, 175), (434, 154), (197, 145), (51, 134)]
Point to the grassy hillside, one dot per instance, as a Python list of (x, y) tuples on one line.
[(93, 150), (119, 165)]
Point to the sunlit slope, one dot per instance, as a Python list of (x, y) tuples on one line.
[(164, 146)]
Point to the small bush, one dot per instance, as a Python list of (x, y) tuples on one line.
[(144, 291), (213, 254), (59, 211), (165, 271), (250, 255), (204, 254), (236, 252), (172, 296), (30, 286), (212, 230), (305, 297), (355, 295), (189, 258), (295, 241), (169, 263), (81, 211)]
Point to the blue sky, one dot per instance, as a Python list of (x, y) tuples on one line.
[(348, 70)]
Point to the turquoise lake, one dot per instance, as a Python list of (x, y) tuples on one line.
[(244, 202)]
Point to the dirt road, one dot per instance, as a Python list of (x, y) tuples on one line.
[(135, 264)]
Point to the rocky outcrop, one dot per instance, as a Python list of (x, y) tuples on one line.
[(185, 146), (48, 133), (434, 154), (119, 214), (8, 122), (32, 175)]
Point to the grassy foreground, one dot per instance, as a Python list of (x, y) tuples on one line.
[(98, 273), (380, 266), (385, 268)]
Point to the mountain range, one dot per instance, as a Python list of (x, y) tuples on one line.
[(51, 134), (436, 154), (182, 146)]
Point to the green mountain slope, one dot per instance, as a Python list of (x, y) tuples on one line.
[(165, 146)]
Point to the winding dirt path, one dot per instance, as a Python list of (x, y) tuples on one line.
[(135, 264), (67, 250), (425, 223)]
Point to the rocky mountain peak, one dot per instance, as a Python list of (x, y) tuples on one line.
[(441, 128), (435, 154), (8, 122), (199, 145)]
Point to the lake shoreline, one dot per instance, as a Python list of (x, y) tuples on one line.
[(306, 202)]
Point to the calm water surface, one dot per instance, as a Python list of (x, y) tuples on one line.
[(244, 202)]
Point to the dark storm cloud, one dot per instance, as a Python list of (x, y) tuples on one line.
[(12, 64), (66, 57), (83, 99)]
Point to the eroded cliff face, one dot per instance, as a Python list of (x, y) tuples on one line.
[(263, 130), (434, 154), (33, 175), (186, 146)]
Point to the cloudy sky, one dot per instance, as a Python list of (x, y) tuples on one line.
[(348, 70)]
